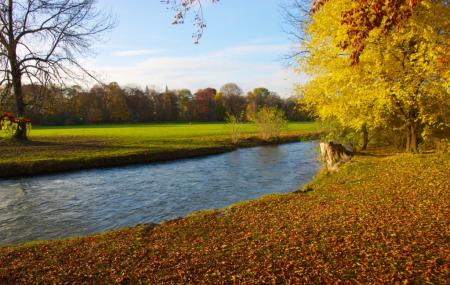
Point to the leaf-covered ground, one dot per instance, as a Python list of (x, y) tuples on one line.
[(380, 219)]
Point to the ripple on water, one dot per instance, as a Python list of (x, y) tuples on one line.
[(85, 202)]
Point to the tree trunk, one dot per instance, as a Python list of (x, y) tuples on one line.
[(408, 141), (21, 131), (16, 76), (411, 139), (334, 155), (365, 133)]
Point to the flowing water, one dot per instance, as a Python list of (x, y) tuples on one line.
[(91, 201)]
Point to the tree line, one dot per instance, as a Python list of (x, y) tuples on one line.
[(111, 103)]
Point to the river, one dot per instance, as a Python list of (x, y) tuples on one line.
[(92, 201)]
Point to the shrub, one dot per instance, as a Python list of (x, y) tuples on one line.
[(9, 124), (234, 124), (270, 122)]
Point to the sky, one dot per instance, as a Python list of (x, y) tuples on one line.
[(244, 43)]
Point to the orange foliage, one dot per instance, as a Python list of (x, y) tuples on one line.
[(368, 15)]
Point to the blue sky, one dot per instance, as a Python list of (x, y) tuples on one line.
[(243, 43)]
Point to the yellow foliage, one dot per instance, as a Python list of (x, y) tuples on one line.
[(400, 83)]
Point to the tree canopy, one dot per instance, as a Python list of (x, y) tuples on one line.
[(362, 17), (400, 86)]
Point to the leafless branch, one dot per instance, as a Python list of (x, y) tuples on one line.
[(183, 8)]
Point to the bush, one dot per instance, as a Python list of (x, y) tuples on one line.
[(9, 124), (270, 122), (234, 124)]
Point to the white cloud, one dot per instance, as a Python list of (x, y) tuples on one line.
[(136, 52), (208, 70), (253, 49)]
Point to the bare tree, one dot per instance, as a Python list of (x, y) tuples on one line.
[(296, 14), (40, 41)]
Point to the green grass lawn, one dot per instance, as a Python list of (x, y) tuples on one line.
[(383, 218), (76, 143), (137, 134)]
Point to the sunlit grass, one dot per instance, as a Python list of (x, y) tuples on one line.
[(154, 131), (97, 141)]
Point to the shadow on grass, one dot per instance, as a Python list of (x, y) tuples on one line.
[(72, 143), (371, 154), (385, 151)]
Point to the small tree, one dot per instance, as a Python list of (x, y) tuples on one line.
[(40, 41), (234, 124), (270, 122)]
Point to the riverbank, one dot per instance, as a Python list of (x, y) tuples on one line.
[(54, 150), (383, 218)]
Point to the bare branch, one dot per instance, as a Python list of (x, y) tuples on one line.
[(183, 7), (41, 40)]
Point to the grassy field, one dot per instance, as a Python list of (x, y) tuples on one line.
[(383, 218), (93, 145)]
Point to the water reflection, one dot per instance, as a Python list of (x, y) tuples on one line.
[(85, 202)]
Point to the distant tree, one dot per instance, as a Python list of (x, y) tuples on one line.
[(116, 105), (118, 109), (261, 97), (100, 94), (112, 103), (295, 111), (204, 104), (255, 100), (184, 98), (168, 106), (47, 104), (40, 41), (152, 96), (158, 104), (219, 110), (232, 99), (139, 105), (86, 108)]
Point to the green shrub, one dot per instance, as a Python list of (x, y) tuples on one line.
[(234, 124), (270, 122)]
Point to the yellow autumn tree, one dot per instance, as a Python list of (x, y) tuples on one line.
[(400, 84)]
